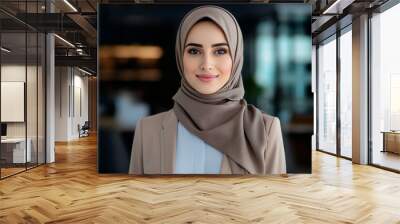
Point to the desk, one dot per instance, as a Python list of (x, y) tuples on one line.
[(391, 141), (17, 150)]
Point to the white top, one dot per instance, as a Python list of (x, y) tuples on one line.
[(194, 156)]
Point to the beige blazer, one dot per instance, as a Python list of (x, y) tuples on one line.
[(154, 147)]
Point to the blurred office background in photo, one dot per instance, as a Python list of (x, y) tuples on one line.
[(138, 74)]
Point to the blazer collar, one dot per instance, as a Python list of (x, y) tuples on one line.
[(168, 142)]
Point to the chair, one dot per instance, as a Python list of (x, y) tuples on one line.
[(84, 130)]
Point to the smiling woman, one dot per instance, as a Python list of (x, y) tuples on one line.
[(207, 61), (211, 128)]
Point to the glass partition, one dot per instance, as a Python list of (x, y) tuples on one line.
[(31, 100), (385, 89), (346, 92), (41, 91), (13, 107), (22, 90), (327, 95)]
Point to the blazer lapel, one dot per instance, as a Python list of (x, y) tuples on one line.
[(168, 143)]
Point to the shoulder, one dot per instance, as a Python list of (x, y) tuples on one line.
[(156, 120), (272, 123)]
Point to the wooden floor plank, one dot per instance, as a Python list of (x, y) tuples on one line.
[(71, 191)]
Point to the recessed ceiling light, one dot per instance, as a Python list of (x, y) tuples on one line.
[(5, 49), (70, 5), (84, 71), (64, 40)]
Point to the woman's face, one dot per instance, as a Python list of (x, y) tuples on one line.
[(207, 62)]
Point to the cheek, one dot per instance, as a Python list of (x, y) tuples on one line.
[(189, 67), (225, 67)]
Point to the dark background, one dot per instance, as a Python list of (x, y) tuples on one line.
[(132, 84)]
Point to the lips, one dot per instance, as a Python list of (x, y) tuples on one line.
[(206, 77)]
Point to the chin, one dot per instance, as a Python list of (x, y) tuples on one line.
[(206, 91)]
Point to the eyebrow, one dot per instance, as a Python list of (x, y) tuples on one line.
[(199, 45)]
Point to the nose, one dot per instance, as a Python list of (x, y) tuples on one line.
[(207, 63)]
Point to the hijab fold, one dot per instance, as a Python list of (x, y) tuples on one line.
[(223, 119)]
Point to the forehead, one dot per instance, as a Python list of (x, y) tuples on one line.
[(206, 32)]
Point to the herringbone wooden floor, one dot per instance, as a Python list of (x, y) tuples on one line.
[(71, 191)]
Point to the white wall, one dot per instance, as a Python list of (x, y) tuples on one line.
[(62, 81), (81, 82), (70, 84)]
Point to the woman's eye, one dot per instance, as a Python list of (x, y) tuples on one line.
[(193, 51), (221, 51)]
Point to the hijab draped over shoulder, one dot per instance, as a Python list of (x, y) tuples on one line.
[(223, 119)]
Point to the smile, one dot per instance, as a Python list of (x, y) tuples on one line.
[(206, 77)]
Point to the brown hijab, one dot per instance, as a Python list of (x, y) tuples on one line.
[(222, 119)]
